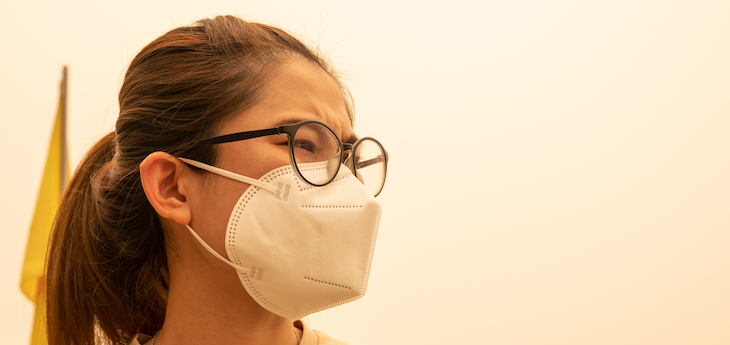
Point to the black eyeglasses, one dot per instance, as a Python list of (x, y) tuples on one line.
[(316, 153)]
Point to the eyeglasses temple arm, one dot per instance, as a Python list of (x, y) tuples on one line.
[(370, 162), (237, 136)]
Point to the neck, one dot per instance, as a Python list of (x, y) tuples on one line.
[(208, 305)]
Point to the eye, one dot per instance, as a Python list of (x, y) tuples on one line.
[(305, 145)]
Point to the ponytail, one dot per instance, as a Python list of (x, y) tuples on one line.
[(97, 274)]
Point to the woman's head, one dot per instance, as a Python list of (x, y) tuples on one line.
[(205, 203), (107, 264)]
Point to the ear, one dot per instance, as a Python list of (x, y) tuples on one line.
[(166, 186)]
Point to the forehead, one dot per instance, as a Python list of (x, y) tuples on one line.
[(300, 90), (309, 79)]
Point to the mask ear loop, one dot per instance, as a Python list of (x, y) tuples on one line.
[(220, 257), (230, 175), (233, 176)]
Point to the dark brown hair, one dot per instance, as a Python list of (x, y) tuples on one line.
[(107, 265)]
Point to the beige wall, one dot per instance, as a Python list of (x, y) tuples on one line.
[(560, 170)]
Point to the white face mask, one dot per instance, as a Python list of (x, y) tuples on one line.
[(300, 249)]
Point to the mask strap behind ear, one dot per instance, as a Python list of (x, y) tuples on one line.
[(230, 175), (220, 257)]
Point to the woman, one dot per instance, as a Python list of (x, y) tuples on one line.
[(232, 199)]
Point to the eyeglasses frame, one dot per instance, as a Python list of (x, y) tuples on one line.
[(290, 131)]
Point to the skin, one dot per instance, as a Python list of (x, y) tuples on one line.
[(207, 303)]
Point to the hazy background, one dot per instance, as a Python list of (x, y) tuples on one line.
[(560, 170)]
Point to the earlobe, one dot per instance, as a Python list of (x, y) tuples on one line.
[(165, 186)]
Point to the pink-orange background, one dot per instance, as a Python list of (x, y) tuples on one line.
[(560, 170)]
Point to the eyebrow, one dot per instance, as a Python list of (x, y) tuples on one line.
[(291, 121), (353, 139), (295, 119)]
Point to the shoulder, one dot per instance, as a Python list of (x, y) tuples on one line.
[(314, 337)]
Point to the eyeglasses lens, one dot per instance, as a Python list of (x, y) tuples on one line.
[(315, 146), (370, 165)]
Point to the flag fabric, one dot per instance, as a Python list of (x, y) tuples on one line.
[(49, 197)]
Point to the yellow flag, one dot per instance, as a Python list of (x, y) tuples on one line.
[(49, 196)]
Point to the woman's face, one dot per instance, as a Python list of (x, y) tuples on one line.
[(300, 91)]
